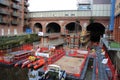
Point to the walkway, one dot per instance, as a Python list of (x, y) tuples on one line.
[(102, 68)]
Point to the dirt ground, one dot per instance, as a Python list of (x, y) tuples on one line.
[(70, 64)]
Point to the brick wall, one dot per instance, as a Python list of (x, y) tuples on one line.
[(116, 31)]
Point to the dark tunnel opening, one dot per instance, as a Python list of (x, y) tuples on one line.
[(73, 27), (37, 27), (96, 31), (53, 28)]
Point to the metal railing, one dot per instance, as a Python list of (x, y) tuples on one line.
[(14, 22), (26, 10), (105, 12), (15, 14), (3, 21), (4, 12), (15, 6)]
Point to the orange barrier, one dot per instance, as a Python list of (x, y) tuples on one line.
[(39, 63), (58, 54), (3, 51), (43, 49), (76, 75), (26, 63), (82, 66), (20, 62), (27, 47), (36, 64)]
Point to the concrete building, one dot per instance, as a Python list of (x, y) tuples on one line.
[(13, 16)]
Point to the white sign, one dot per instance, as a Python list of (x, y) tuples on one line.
[(41, 54), (40, 33), (104, 61)]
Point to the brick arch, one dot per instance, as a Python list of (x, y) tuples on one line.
[(96, 31), (63, 21), (102, 21), (37, 27), (73, 26), (53, 27)]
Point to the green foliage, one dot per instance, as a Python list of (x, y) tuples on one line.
[(14, 41), (114, 45)]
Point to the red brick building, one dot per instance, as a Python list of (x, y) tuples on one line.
[(13, 16), (116, 31)]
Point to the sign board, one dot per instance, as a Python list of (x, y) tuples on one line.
[(41, 54), (40, 33), (104, 61)]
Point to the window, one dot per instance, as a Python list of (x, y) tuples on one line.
[(15, 31), (66, 15), (84, 7), (72, 14), (8, 31), (2, 32)]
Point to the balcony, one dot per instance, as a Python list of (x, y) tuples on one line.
[(4, 12), (4, 3), (15, 14), (15, 6), (3, 21), (26, 10), (14, 22), (26, 16), (26, 4)]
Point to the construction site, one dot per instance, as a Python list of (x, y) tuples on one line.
[(78, 44)]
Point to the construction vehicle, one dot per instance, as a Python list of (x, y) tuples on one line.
[(54, 72)]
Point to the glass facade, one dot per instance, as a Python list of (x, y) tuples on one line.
[(84, 7)]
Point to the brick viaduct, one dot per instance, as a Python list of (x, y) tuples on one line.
[(43, 22)]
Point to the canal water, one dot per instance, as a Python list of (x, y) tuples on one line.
[(13, 73), (16, 74)]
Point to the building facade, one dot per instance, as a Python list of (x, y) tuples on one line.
[(98, 10), (13, 16), (116, 31)]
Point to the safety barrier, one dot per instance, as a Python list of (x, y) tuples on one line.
[(14, 57), (84, 68), (58, 54), (27, 47)]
